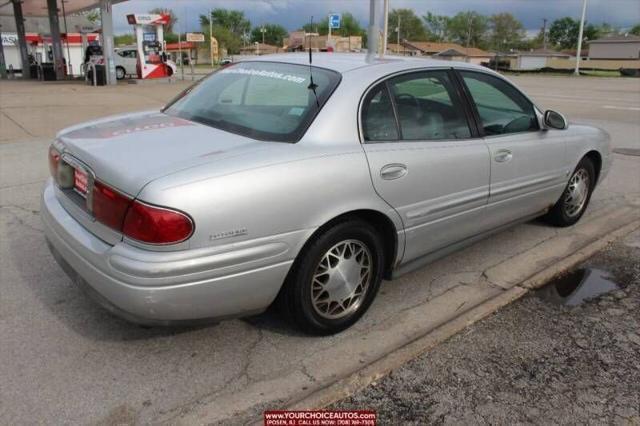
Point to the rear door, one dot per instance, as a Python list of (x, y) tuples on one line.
[(425, 159), (528, 165)]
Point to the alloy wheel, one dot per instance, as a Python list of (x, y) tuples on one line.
[(577, 193), (341, 279)]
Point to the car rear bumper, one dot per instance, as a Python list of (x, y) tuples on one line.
[(166, 287)]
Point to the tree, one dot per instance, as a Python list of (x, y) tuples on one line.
[(468, 29), (635, 30), (411, 27), (274, 34), (124, 40), (227, 39), (232, 20), (437, 26), (94, 16), (164, 11), (349, 26), (607, 30), (229, 27), (506, 31), (564, 32)]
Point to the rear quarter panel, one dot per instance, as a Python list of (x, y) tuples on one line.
[(292, 189)]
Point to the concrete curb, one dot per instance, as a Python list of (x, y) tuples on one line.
[(384, 365)]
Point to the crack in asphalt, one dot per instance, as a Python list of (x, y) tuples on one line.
[(18, 219), (15, 185), (16, 123)]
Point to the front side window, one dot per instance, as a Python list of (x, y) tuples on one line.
[(428, 107), (502, 108), (261, 100)]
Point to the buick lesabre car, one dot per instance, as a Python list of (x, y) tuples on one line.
[(279, 181)]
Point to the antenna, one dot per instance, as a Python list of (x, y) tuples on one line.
[(312, 86)]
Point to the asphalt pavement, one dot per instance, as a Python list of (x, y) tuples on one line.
[(541, 360), (63, 359)]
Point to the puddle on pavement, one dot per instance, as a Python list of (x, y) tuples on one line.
[(577, 286)]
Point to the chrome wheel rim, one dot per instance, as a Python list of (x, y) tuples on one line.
[(119, 73), (577, 193), (341, 279)]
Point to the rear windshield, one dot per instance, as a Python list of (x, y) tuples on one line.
[(262, 100)]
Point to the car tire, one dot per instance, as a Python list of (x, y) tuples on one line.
[(334, 279), (120, 73), (575, 197)]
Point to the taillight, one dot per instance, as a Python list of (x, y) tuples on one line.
[(109, 206), (156, 225), (54, 160)]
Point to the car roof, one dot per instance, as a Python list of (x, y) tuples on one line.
[(345, 62)]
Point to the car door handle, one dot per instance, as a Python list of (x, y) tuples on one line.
[(393, 171), (503, 156)]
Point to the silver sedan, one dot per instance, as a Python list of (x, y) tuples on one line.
[(279, 181)]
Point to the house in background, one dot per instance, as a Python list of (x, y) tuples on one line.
[(401, 49), (615, 47), (466, 54), (536, 59), (260, 49), (428, 48), (299, 41)]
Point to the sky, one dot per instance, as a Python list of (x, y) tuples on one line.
[(292, 14)]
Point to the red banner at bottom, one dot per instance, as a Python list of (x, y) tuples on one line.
[(319, 418)]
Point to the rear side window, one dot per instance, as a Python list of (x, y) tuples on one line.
[(502, 108), (378, 121), (428, 107)]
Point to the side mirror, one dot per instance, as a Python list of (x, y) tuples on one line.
[(554, 120)]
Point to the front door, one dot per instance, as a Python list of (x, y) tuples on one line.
[(528, 165), (424, 159)]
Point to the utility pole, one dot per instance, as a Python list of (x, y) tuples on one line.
[(544, 33), (263, 30), (385, 28), (578, 53), (468, 36), (3, 64), (211, 36), (398, 30), (329, 34), (372, 32)]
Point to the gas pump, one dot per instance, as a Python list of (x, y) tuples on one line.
[(152, 59)]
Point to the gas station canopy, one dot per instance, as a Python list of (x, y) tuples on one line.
[(39, 7)]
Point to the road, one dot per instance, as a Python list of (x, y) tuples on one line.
[(65, 360), (534, 362)]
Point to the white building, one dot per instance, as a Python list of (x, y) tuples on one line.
[(616, 47), (39, 47)]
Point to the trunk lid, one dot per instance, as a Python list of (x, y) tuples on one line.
[(128, 151)]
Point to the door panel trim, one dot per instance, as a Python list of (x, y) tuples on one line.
[(456, 202), (517, 187), (419, 262)]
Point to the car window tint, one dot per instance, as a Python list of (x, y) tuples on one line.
[(275, 93), (428, 107), (263, 100), (232, 94), (502, 108), (378, 121)]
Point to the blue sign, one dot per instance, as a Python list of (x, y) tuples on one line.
[(149, 36), (334, 21)]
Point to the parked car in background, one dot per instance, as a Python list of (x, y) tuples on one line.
[(276, 181), (126, 59)]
